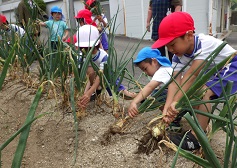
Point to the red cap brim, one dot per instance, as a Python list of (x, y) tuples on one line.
[(162, 42)]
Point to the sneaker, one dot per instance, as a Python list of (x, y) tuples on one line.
[(174, 127), (94, 95), (189, 143)]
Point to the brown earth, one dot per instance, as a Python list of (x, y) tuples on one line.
[(51, 142)]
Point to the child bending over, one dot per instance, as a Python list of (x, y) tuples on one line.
[(177, 33), (88, 36), (7, 29), (154, 65)]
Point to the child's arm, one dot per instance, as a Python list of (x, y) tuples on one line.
[(84, 100), (100, 18), (189, 78), (143, 94), (66, 35), (172, 89), (149, 16), (42, 24), (185, 83)]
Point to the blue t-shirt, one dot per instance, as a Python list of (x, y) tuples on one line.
[(56, 28)]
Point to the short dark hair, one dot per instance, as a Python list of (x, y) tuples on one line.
[(147, 60), (79, 20)]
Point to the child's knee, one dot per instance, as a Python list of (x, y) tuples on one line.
[(209, 93)]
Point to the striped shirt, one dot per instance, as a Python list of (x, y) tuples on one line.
[(204, 45)]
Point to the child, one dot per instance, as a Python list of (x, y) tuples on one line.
[(83, 17), (57, 27), (88, 36), (101, 22), (8, 29), (177, 33), (154, 65)]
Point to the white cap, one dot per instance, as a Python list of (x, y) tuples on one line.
[(88, 36)]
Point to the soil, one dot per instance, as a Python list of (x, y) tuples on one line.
[(52, 138)]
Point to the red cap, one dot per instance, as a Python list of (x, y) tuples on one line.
[(3, 19), (86, 14), (172, 26)]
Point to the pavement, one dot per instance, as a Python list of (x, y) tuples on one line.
[(232, 39)]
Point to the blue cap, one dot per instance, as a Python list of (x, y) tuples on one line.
[(148, 52), (56, 9)]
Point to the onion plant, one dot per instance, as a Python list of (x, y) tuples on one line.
[(115, 69)]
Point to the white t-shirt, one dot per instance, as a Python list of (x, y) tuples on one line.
[(204, 45), (100, 58), (163, 75), (13, 28)]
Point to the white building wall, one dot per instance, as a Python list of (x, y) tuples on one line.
[(131, 20), (200, 13), (8, 7), (118, 5), (135, 15)]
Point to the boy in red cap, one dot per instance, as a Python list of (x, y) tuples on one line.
[(100, 19), (83, 17), (177, 34), (8, 29)]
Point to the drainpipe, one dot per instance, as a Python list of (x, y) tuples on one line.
[(71, 14), (228, 16), (69, 6), (66, 11), (124, 14), (210, 17), (222, 16)]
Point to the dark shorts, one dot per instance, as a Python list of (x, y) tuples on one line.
[(104, 41), (228, 73), (121, 87)]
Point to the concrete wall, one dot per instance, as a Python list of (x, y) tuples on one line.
[(136, 14), (234, 18), (199, 11), (117, 8)]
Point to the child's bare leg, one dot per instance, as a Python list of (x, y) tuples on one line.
[(87, 86), (91, 73), (203, 120), (129, 94)]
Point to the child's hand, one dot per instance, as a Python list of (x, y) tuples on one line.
[(64, 39), (132, 110), (84, 100), (100, 18), (170, 113)]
